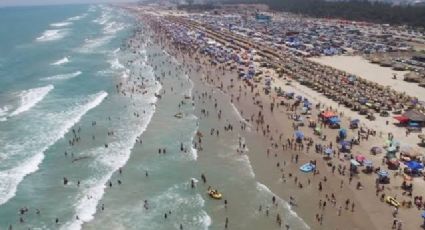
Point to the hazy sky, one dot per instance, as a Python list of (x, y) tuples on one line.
[(50, 2)]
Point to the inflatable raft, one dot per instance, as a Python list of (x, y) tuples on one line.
[(214, 194), (308, 167)]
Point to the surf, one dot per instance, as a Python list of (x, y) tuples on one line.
[(108, 161), (29, 98), (61, 24), (62, 76), (61, 61), (52, 35), (11, 178), (290, 215)]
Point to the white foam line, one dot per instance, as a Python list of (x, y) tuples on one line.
[(61, 61), (61, 24), (10, 179), (76, 18), (262, 187), (240, 116), (62, 76), (192, 149), (52, 35), (29, 98)]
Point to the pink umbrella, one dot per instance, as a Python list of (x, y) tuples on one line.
[(360, 158)]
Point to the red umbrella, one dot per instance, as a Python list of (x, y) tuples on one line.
[(401, 119), (360, 158)]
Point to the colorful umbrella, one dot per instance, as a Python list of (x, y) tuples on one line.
[(414, 165), (383, 173)]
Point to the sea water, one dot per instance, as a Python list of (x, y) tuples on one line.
[(58, 70)]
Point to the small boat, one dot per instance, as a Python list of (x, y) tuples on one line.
[(178, 115), (308, 167), (392, 201), (214, 194)]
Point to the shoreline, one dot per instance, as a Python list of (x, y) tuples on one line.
[(358, 219)]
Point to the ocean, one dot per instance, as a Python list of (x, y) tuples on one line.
[(76, 141)]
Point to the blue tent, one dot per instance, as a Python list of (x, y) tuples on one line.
[(334, 120), (299, 134), (383, 173), (414, 165)]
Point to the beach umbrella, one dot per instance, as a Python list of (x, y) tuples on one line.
[(368, 163), (391, 149), (354, 162), (414, 165), (360, 158), (334, 120), (355, 121), (345, 144), (342, 133), (328, 151), (383, 173), (299, 134), (376, 150)]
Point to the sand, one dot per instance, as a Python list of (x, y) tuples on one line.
[(359, 66), (370, 213)]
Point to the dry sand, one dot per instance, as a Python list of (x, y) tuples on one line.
[(359, 66)]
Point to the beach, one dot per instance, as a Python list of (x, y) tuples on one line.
[(157, 133), (361, 67)]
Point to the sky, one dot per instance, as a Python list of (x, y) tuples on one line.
[(4, 3)]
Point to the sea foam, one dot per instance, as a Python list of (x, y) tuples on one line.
[(61, 24), (109, 160), (290, 215), (10, 178), (76, 18), (62, 76), (29, 98), (61, 61), (52, 35)]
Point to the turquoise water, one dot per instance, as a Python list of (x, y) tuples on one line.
[(59, 71)]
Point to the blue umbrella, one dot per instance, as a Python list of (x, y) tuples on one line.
[(328, 151), (383, 173), (414, 165), (391, 149), (334, 120), (342, 133), (355, 121), (299, 134)]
